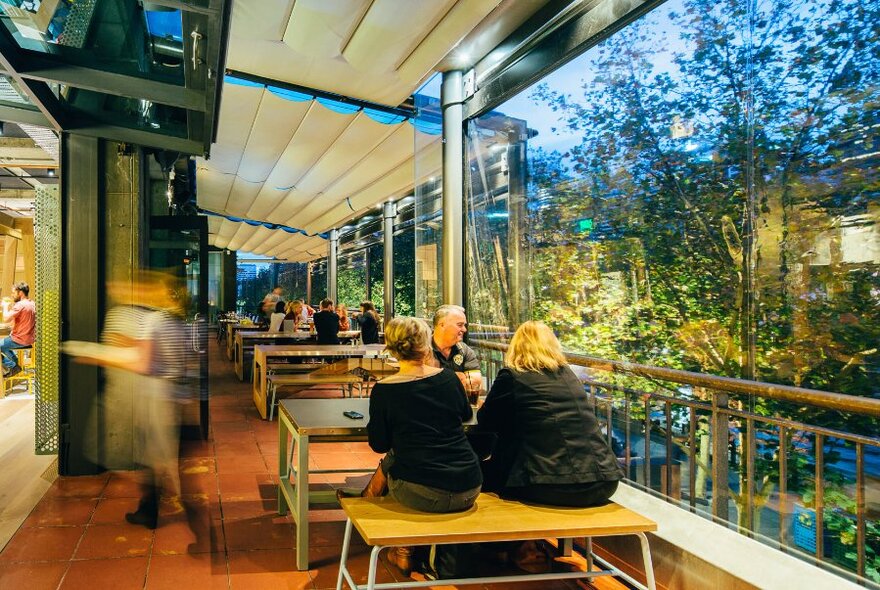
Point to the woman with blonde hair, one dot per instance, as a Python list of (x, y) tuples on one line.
[(550, 447)]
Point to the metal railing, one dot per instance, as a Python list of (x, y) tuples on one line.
[(684, 433)]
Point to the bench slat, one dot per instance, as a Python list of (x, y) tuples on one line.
[(382, 521)]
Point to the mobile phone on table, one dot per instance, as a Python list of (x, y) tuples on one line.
[(353, 415)]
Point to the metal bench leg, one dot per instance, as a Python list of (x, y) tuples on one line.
[(589, 554), (343, 560), (374, 559), (646, 557)]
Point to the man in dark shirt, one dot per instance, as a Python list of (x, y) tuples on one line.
[(327, 323), (450, 326)]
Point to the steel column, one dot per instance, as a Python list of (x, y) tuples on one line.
[(333, 251), (309, 268), (453, 232), (389, 213)]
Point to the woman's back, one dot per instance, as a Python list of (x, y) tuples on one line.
[(421, 420), (548, 432)]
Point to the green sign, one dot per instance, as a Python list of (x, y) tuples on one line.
[(582, 226)]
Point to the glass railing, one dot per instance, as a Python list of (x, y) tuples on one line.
[(796, 468)]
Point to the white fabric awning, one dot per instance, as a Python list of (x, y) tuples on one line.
[(290, 159)]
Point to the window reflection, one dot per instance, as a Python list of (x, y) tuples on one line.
[(699, 191)]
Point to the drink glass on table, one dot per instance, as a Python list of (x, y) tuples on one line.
[(472, 387)]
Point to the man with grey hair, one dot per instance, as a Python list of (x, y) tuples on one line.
[(450, 326)]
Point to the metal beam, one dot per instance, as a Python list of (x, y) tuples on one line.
[(537, 49), (399, 111), (105, 82), (144, 138), (38, 92), (26, 116)]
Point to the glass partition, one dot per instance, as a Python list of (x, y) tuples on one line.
[(428, 199), (699, 191)]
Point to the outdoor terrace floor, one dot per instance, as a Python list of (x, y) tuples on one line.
[(77, 536)]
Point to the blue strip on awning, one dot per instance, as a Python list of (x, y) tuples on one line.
[(254, 222), (289, 94), (383, 117), (241, 82), (339, 107)]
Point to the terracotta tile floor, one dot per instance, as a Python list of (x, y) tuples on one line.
[(77, 538)]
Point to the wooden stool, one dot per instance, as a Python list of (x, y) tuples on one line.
[(28, 365)]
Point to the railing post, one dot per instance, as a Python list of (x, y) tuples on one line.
[(720, 437)]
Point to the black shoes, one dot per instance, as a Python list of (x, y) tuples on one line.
[(144, 518), (13, 371)]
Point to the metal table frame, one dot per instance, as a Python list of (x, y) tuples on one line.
[(305, 422)]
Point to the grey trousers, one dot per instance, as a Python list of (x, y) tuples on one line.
[(426, 498)]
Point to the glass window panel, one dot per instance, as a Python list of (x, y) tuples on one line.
[(115, 36), (123, 111), (699, 191)]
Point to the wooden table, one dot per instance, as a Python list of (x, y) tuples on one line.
[(302, 422), (231, 328), (263, 353), (246, 338)]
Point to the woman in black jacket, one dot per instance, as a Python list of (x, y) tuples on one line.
[(550, 447)]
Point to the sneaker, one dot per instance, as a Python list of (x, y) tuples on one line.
[(13, 371)]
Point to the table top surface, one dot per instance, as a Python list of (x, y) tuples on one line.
[(324, 416), (366, 350), (297, 335)]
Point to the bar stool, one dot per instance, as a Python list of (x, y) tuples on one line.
[(28, 365)]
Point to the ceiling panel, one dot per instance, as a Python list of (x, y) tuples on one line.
[(320, 28)]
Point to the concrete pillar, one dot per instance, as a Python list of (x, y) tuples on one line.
[(389, 212), (453, 226), (333, 250)]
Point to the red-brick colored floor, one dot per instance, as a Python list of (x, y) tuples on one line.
[(77, 537)]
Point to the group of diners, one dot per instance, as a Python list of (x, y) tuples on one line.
[(537, 438), (328, 321)]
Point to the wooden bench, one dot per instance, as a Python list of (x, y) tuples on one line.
[(305, 381), (382, 522)]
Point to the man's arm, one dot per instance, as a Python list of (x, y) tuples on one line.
[(9, 311), (472, 377)]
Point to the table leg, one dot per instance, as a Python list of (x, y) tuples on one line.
[(301, 502), (285, 458)]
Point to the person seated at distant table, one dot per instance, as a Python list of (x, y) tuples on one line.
[(326, 323), (276, 320), (342, 312), (369, 323), (22, 314)]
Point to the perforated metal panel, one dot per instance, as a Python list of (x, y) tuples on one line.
[(47, 246), (76, 27)]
